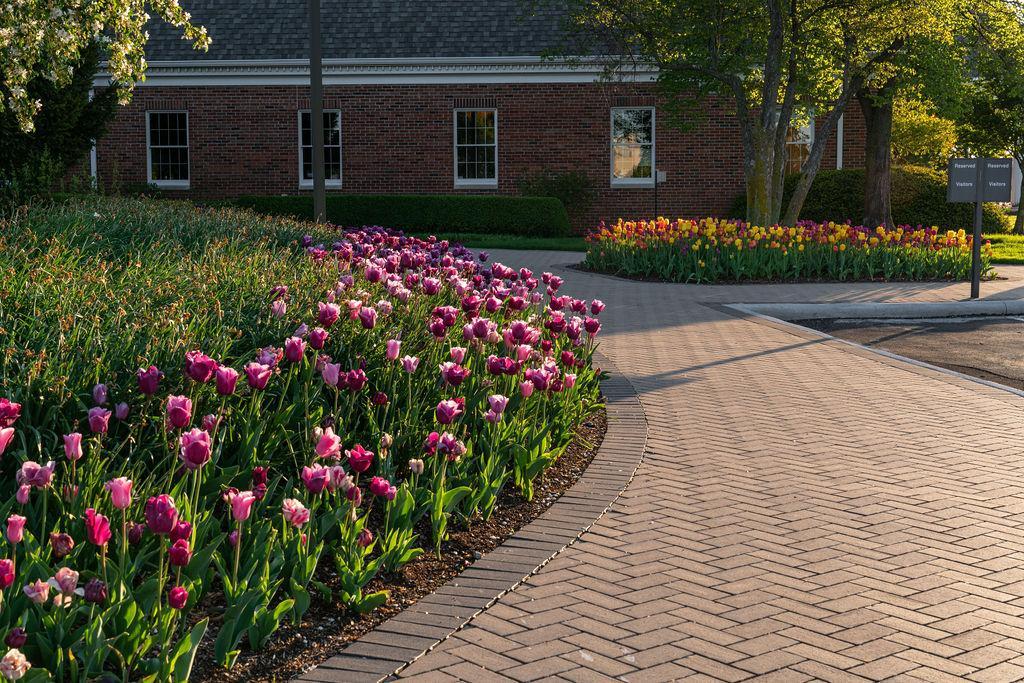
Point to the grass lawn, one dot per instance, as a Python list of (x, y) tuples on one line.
[(482, 241), (1007, 249)]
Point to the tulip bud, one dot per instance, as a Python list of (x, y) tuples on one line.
[(135, 531), (416, 466), (177, 597), (99, 394), (95, 592), (365, 538), (61, 544), (16, 637)]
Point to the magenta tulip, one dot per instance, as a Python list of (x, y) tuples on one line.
[(359, 459), (6, 437), (368, 317), (315, 478), (257, 375), (294, 349), (6, 573), (327, 313), (179, 554), (199, 366), (97, 527), (177, 597), (241, 505), (329, 444), (318, 338), (179, 411), (9, 412), (227, 378), (448, 410)]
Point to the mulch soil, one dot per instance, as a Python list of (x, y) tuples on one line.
[(328, 626)]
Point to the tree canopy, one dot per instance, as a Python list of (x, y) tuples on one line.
[(48, 37)]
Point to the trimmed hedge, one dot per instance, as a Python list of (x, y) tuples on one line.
[(918, 198), (531, 216)]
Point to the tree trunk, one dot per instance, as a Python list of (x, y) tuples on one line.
[(877, 110), (761, 201)]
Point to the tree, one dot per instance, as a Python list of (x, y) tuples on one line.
[(992, 123), (769, 57), (920, 137), (49, 37)]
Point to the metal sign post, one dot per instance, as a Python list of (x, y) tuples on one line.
[(978, 181)]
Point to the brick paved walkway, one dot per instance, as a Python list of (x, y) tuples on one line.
[(805, 511)]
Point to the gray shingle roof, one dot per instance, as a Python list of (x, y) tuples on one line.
[(363, 29)]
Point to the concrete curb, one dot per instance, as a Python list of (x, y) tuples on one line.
[(899, 309), (418, 629)]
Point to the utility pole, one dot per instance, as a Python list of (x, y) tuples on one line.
[(316, 112)]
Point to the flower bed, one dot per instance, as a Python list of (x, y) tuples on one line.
[(713, 250), (294, 405)]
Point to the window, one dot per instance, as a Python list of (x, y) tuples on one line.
[(632, 146), (476, 148), (167, 143), (799, 140), (332, 149)]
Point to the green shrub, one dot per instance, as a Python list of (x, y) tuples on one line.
[(918, 198), (573, 188), (532, 216)]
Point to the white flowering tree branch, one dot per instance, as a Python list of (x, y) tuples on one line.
[(46, 38)]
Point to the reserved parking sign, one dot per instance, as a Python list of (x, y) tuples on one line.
[(964, 180)]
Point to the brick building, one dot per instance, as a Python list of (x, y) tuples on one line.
[(443, 97)]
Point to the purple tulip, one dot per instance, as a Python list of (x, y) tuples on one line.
[(99, 394), (161, 514), (448, 410), (318, 338), (149, 380), (327, 313), (99, 420), (195, 448), (410, 363), (121, 411), (368, 317)]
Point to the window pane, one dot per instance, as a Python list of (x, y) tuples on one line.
[(632, 126), (476, 145), (631, 161)]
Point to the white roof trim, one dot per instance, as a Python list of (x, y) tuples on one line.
[(416, 71)]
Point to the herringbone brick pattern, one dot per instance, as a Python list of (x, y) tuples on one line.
[(804, 512)]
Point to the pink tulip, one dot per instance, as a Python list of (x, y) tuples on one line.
[(570, 381), (120, 492), (227, 378), (195, 448), (526, 389), (453, 373), (23, 493), (38, 591), (315, 478), (294, 349), (295, 513), (97, 527), (65, 581), (241, 505), (181, 530), (394, 347), (209, 422), (6, 437), (149, 380), (410, 363), (278, 307), (199, 366), (179, 411), (379, 486), (99, 420), (328, 313), (36, 475), (497, 402), (161, 514), (329, 445), (448, 410), (596, 306), (257, 375), (457, 354), (331, 372), (15, 528), (359, 459)]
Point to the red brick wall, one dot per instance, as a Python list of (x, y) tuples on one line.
[(243, 140)]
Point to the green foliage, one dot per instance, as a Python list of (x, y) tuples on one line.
[(573, 188), (532, 216), (34, 163), (919, 137), (918, 198)]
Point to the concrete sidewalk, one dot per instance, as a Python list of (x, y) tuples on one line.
[(805, 510)]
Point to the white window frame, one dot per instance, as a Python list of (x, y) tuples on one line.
[(632, 182), (473, 182), (168, 184), (328, 182)]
